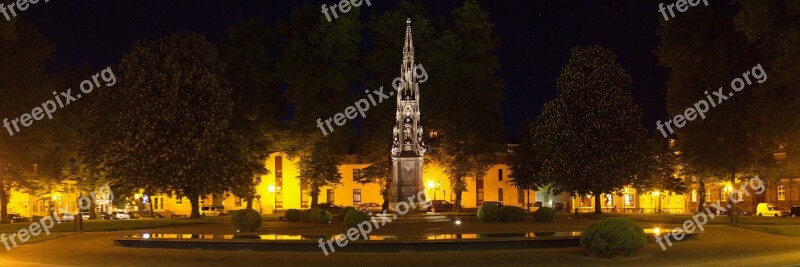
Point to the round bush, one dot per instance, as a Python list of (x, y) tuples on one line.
[(304, 216), (544, 214), (490, 214), (613, 237), (317, 215), (512, 214), (294, 215), (354, 217), (246, 220), (344, 211)]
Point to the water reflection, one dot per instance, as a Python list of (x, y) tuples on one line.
[(467, 236)]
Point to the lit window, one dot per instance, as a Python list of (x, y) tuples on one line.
[(356, 197), (781, 193), (708, 195), (694, 195), (237, 201)]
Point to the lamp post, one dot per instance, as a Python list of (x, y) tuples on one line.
[(271, 189), (431, 187)]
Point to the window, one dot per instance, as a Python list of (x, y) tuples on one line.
[(356, 197), (500, 195), (356, 175), (480, 196), (708, 195), (520, 196), (162, 203), (694, 195), (237, 201), (303, 195), (155, 202), (331, 196), (499, 174), (781, 193), (178, 200)]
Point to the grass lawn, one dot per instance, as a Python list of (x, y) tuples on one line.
[(787, 230), (66, 228)]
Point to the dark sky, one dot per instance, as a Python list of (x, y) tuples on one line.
[(536, 35)]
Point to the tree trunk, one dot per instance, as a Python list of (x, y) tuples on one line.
[(195, 200), (458, 201), (4, 197), (250, 203), (701, 194), (315, 198), (151, 208), (597, 208), (733, 216), (528, 206)]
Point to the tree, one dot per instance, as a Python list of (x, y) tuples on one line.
[(23, 54), (165, 128), (467, 112), (591, 132), (526, 161), (318, 61), (662, 172), (257, 103), (725, 144)]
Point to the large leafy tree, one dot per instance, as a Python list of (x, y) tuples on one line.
[(462, 102), (663, 173), (23, 54), (166, 127), (247, 50), (703, 52), (318, 62), (592, 132), (526, 160)]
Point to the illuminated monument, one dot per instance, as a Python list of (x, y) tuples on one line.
[(407, 148)]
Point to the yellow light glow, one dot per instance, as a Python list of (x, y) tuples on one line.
[(728, 188), (56, 196), (657, 230), (271, 188), (430, 185), (137, 196), (656, 193)]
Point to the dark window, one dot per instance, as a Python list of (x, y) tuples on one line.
[(155, 200), (331, 197), (237, 201), (499, 174), (500, 195), (356, 197), (356, 175), (520, 196)]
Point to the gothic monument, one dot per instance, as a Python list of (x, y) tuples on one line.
[(407, 148)]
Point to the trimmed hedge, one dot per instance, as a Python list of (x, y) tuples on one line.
[(246, 220), (354, 217), (294, 215), (490, 214), (304, 216), (317, 215), (613, 237), (512, 214), (544, 214), (344, 211)]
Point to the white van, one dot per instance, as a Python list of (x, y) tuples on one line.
[(767, 209)]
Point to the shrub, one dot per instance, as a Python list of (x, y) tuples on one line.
[(246, 220), (294, 215), (317, 215), (613, 237), (512, 214), (354, 217), (344, 211), (544, 214), (489, 213), (304, 215)]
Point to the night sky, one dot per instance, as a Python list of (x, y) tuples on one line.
[(536, 38)]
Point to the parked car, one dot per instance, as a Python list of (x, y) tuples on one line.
[(768, 209), (740, 211), (794, 211), (210, 210), (67, 217), (330, 207), (370, 207), (15, 217), (84, 215), (440, 206), (145, 214), (120, 215), (496, 203), (104, 216)]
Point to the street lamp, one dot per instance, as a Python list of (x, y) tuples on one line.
[(271, 189)]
